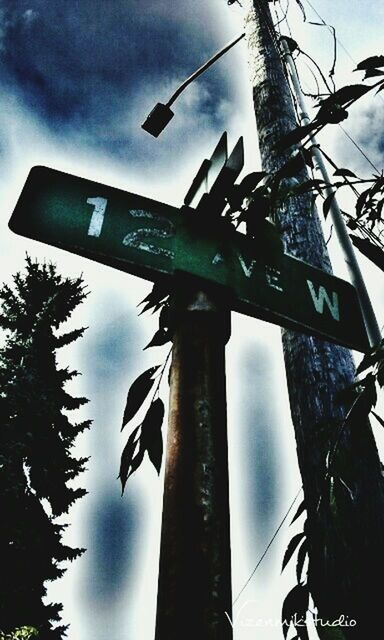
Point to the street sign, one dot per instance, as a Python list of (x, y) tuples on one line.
[(153, 240)]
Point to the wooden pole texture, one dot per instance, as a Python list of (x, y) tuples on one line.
[(345, 504)]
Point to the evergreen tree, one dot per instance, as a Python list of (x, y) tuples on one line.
[(36, 438)]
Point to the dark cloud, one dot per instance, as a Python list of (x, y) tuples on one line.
[(263, 497), (112, 546), (366, 127), (90, 68)]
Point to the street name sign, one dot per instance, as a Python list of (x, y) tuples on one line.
[(154, 240)]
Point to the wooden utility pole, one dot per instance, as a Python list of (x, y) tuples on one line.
[(336, 215), (345, 514), (194, 591)]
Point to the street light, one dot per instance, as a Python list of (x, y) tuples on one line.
[(161, 114)]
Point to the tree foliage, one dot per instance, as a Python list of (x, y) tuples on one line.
[(22, 633), (36, 463)]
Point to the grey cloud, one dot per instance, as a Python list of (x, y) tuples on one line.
[(263, 491), (88, 68), (365, 125)]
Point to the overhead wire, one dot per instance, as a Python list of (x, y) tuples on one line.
[(348, 135), (280, 20), (343, 47), (318, 68), (286, 18), (330, 28)]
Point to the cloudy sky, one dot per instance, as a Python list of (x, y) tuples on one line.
[(77, 80)]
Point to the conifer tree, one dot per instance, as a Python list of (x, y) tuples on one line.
[(36, 439)]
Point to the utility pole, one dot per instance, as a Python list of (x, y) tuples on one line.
[(346, 245), (194, 589), (345, 541)]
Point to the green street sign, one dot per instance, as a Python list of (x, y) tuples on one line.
[(154, 240)]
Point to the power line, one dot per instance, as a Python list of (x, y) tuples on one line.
[(359, 148), (348, 135), (267, 548), (330, 29)]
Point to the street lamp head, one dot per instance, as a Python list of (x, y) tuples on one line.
[(158, 119)]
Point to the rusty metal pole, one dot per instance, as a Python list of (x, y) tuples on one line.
[(194, 589)]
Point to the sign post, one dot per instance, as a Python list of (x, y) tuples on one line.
[(194, 590)]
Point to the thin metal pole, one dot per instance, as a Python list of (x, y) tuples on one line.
[(194, 588), (355, 274)]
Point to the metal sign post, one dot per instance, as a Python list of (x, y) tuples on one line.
[(194, 591)]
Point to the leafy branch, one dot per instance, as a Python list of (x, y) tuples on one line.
[(147, 436)]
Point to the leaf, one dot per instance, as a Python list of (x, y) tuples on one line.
[(152, 440), (161, 337), (327, 204), (370, 63), (345, 173), (296, 602), (373, 73), (158, 292), (127, 458), (138, 393), (331, 113), (244, 190), (378, 185), (308, 186), (294, 136), (292, 167), (346, 94), (369, 395), (369, 250), (369, 360), (361, 202), (302, 554), (155, 449), (235, 198), (259, 207), (250, 182), (136, 462), (352, 224), (380, 420), (308, 156), (293, 544), (299, 511), (380, 375)]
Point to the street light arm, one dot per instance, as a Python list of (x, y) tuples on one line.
[(203, 68), (161, 114)]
